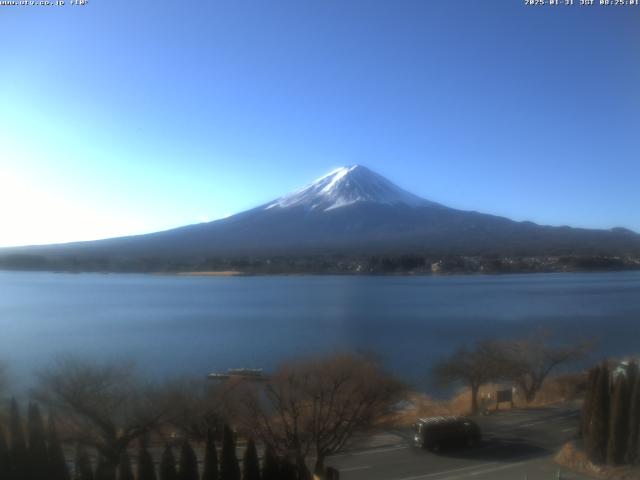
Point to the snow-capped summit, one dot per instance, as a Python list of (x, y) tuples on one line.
[(346, 186)]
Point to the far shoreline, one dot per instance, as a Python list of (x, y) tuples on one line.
[(400, 264), (223, 273), (238, 273)]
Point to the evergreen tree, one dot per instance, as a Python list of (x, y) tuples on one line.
[(82, 470), (619, 423), (632, 374), (598, 438), (250, 463), (332, 474), (188, 463), (287, 470), (168, 465), (38, 457), (270, 467), (210, 460), (104, 470), (585, 419), (146, 470), (633, 445), (125, 472), (229, 468), (4, 456), (57, 464), (18, 455)]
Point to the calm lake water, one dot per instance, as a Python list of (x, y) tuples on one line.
[(196, 325)]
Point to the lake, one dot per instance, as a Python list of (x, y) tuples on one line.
[(195, 325)]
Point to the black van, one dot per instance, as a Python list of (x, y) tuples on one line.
[(435, 433)]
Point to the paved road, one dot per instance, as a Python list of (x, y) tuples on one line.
[(517, 445)]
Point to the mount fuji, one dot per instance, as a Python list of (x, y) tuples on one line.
[(351, 210)]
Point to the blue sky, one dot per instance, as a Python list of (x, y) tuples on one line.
[(124, 117)]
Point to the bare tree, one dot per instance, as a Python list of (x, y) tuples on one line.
[(103, 406), (531, 360), (314, 408), (200, 408), (473, 367)]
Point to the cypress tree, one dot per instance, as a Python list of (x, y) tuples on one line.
[(83, 470), (125, 472), (287, 470), (332, 474), (632, 374), (146, 470), (188, 463), (270, 467), (585, 419), (229, 468), (101, 465), (210, 460), (104, 470), (38, 457), (18, 456), (57, 464), (4, 456), (634, 424), (619, 423), (168, 465), (250, 463), (598, 438)]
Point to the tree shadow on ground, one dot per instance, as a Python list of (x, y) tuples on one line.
[(498, 450)]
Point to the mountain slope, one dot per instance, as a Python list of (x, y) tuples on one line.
[(352, 210)]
